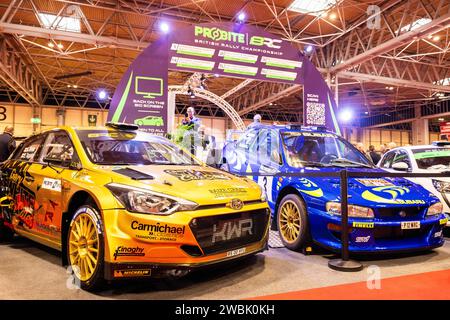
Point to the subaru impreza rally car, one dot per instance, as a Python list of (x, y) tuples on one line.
[(120, 203), (384, 214)]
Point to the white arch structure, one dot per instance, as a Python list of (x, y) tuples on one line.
[(218, 101)]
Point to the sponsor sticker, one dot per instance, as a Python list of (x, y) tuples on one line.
[(374, 182), (132, 273), (192, 175), (365, 225), (227, 192), (51, 184), (128, 252), (438, 234), (443, 221)]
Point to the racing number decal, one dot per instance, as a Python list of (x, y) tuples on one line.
[(2, 113), (267, 184)]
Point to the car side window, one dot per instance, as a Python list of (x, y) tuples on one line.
[(58, 148), (387, 160), (30, 149), (401, 156), (267, 147)]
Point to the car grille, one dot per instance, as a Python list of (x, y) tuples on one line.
[(395, 213), (229, 231), (393, 233)]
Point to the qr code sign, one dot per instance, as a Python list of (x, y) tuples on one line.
[(315, 113)]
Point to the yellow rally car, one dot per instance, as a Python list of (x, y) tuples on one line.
[(120, 203)]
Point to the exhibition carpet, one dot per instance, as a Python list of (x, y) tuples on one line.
[(423, 286)]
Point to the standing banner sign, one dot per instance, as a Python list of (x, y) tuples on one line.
[(226, 49)]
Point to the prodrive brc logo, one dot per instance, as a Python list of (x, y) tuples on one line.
[(217, 34)]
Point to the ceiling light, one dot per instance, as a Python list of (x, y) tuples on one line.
[(60, 45), (101, 94), (164, 27), (75, 86), (436, 38), (241, 17), (441, 119), (333, 16), (50, 44), (345, 115)]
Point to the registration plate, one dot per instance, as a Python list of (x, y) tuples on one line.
[(406, 225), (237, 252)]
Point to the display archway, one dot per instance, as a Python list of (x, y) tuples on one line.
[(225, 49), (217, 100)]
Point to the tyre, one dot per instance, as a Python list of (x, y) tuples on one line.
[(292, 222), (85, 248), (6, 234)]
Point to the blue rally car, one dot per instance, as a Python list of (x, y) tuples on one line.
[(385, 214)]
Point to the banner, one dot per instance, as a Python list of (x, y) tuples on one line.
[(225, 49)]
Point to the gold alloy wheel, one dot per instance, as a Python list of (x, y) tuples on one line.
[(83, 247), (290, 221)]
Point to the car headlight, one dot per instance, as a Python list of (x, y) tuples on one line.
[(435, 209), (145, 201), (441, 186), (353, 211)]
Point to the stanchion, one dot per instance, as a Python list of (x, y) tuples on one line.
[(344, 263)]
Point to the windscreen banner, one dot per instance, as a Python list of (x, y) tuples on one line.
[(223, 49)]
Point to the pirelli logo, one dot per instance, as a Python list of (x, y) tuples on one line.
[(443, 221), (365, 225)]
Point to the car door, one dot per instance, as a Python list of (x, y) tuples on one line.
[(57, 154), (22, 182)]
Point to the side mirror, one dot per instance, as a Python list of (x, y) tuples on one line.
[(75, 166), (400, 166)]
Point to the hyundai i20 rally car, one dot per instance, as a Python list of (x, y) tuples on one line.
[(384, 214), (120, 203)]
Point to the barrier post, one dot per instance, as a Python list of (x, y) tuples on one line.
[(344, 263)]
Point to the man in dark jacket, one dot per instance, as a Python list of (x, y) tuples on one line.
[(375, 156), (7, 143)]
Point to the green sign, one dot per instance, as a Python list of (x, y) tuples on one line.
[(35, 120)]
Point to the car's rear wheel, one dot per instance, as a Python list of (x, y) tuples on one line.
[(292, 222), (140, 123), (85, 248)]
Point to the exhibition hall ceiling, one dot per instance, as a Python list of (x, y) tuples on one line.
[(382, 54)]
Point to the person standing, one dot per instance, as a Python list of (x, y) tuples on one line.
[(7, 143), (192, 120), (256, 121), (374, 156)]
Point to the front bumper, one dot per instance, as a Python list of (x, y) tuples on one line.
[(377, 235), (141, 245)]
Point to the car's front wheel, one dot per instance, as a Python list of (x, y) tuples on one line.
[(85, 248), (292, 222)]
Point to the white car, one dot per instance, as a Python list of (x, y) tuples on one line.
[(433, 158)]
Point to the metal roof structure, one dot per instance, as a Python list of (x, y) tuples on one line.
[(382, 55)]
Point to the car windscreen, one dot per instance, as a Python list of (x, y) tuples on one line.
[(321, 149), (109, 147), (432, 158)]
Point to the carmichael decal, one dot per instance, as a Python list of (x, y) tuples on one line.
[(158, 231), (192, 175), (128, 252)]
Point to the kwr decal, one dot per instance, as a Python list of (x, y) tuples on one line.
[(232, 229)]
